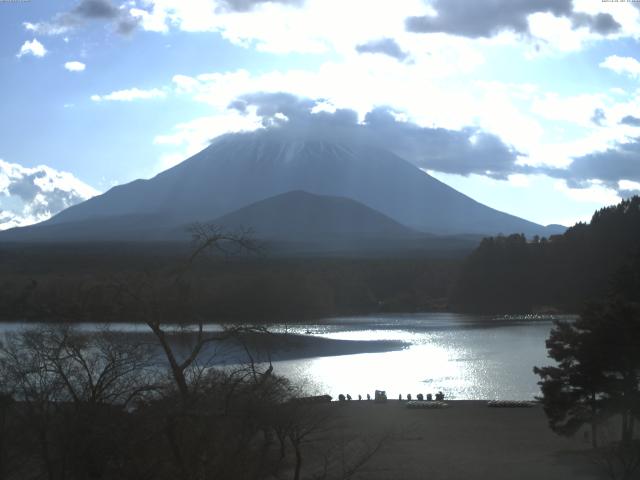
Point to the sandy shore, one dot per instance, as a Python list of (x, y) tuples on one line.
[(468, 440)]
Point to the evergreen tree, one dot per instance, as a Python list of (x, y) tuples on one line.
[(598, 370)]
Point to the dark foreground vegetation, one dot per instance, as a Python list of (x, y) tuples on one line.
[(78, 407), (589, 261)]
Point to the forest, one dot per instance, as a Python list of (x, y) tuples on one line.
[(70, 284), (515, 274), (504, 274)]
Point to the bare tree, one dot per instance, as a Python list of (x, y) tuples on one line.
[(72, 391)]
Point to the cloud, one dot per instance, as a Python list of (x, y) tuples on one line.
[(30, 195), (384, 46), (96, 9), (622, 65), (130, 95), (463, 152), (75, 66), (628, 188), (601, 23), (86, 11), (490, 17), (248, 5), (312, 26), (608, 168), (34, 47), (598, 116), (631, 121)]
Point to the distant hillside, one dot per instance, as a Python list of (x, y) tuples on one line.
[(302, 216), (587, 262)]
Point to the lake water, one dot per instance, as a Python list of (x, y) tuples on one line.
[(464, 356)]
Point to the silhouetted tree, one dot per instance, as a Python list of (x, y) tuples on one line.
[(598, 370)]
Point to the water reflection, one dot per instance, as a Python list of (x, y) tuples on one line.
[(465, 356)]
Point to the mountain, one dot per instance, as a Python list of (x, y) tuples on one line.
[(237, 170), (302, 216)]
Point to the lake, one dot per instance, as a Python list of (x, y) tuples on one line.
[(464, 356)]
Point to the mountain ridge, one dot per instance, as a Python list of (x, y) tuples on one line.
[(237, 170)]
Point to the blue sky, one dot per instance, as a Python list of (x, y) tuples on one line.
[(111, 91)]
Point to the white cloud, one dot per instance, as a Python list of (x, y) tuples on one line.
[(577, 109), (33, 47), (75, 66), (316, 26), (628, 185), (130, 95), (622, 65), (595, 193), (46, 28), (30, 195), (191, 137)]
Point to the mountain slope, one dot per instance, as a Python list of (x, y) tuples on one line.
[(239, 169), (303, 216)]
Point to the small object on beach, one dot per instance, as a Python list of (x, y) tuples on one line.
[(368, 397), (348, 397), (400, 397), (380, 396), (420, 397), (440, 397), (409, 397), (359, 397), (313, 399), (510, 404), (341, 398), (426, 405), (429, 397)]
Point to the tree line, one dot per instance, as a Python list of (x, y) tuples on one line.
[(508, 274), (248, 288)]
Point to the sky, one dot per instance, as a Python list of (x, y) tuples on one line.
[(528, 106)]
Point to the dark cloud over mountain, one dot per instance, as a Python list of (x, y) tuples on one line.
[(462, 152), (384, 46), (486, 18)]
